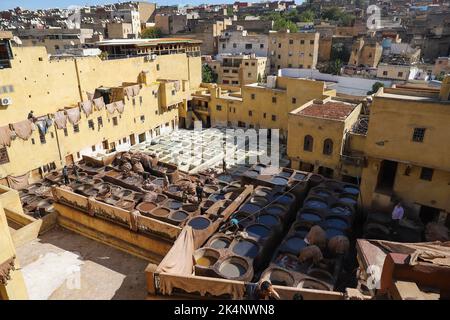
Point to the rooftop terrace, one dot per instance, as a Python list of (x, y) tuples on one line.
[(333, 110)]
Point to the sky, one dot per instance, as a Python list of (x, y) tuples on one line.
[(45, 4)]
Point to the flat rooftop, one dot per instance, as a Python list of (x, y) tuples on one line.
[(146, 42), (334, 110)]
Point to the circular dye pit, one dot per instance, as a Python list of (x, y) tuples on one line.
[(158, 181), (336, 223), (280, 277), (299, 176), (309, 217), (333, 233), (206, 257), (276, 210), (279, 181), (216, 197), (321, 275), (312, 284), (174, 189), (341, 210), (348, 200), (220, 243), (322, 193), (252, 173), (190, 207), (160, 198), (258, 231), (233, 268), (206, 261), (208, 189), (250, 208), (260, 201), (301, 231), (146, 207), (268, 220), (294, 245), (173, 204), (351, 190), (262, 192), (245, 248), (160, 212), (284, 199), (314, 203), (285, 174), (178, 216), (199, 223)]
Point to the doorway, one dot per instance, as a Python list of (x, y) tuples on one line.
[(69, 160), (132, 139), (386, 176), (428, 214)]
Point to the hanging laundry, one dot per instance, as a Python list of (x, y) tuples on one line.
[(86, 106), (119, 106), (90, 96), (111, 107), (23, 129), (5, 136), (99, 103), (42, 126), (60, 120), (73, 115)]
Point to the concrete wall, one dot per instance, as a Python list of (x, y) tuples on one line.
[(238, 42)]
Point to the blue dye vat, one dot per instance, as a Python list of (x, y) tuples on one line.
[(315, 204)]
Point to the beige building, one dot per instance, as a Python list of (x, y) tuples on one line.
[(397, 72), (316, 136), (171, 23), (240, 69), (412, 162), (366, 52), (161, 81), (119, 30), (293, 50)]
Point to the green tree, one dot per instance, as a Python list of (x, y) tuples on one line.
[(307, 16), (230, 11), (377, 85), (150, 33), (208, 75)]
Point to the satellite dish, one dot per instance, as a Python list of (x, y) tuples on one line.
[(17, 40)]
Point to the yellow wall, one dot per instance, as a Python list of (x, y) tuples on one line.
[(47, 86)]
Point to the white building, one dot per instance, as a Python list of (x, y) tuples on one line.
[(129, 16), (239, 41)]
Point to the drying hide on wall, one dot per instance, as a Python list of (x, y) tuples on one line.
[(86, 106), (60, 120), (111, 107), (23, 129), (18, 183), (73, 115), (5, 136), (119, 106), (99, 103)]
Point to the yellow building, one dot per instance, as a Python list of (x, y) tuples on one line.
[(164, 79), (239, 69), (293, 50), (407, 152), (316, 135), (258, 105), (366, 52), (12, 285)]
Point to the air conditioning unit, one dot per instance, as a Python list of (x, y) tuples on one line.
[(5, 101)]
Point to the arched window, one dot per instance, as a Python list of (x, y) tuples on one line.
[(308, 143), (328, 146)]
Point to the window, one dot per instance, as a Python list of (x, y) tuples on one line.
[(274, 99), (253, 64), (115, 122), (93, 148), (261, 46), (249, 74), (250, 113), (291, 41), (42, 138), (328, 146), (218, 107), (384, 73), (279, 45), (76, 128), (133, 101), (100, 122), (142, 118), (224, 45), (124, 140), (65, 132), (426, 174), (264, 115), (300, 66), (91, 124), (140, 100), (246, 63), (234, 45), (279, 57), (173, 92), (157, 67), (4, 158), (274, 117), (302, 41), (294, 100), (248, 46), (308, 143), (311, 41), (400, 74), (253, 96), (418, 134)]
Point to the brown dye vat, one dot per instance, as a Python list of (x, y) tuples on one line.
[(160, 212), (190, 208), (312, 284), (35, 186), (28, 199), (116, 190), (111, 200), (281, 277), (146, 207), (160, 198), (209, 189), (102, 186)]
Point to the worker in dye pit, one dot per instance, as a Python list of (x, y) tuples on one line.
[(166, 182), (199, 192), (75, 170), (65, 173), (397, 215), (265, 291)]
